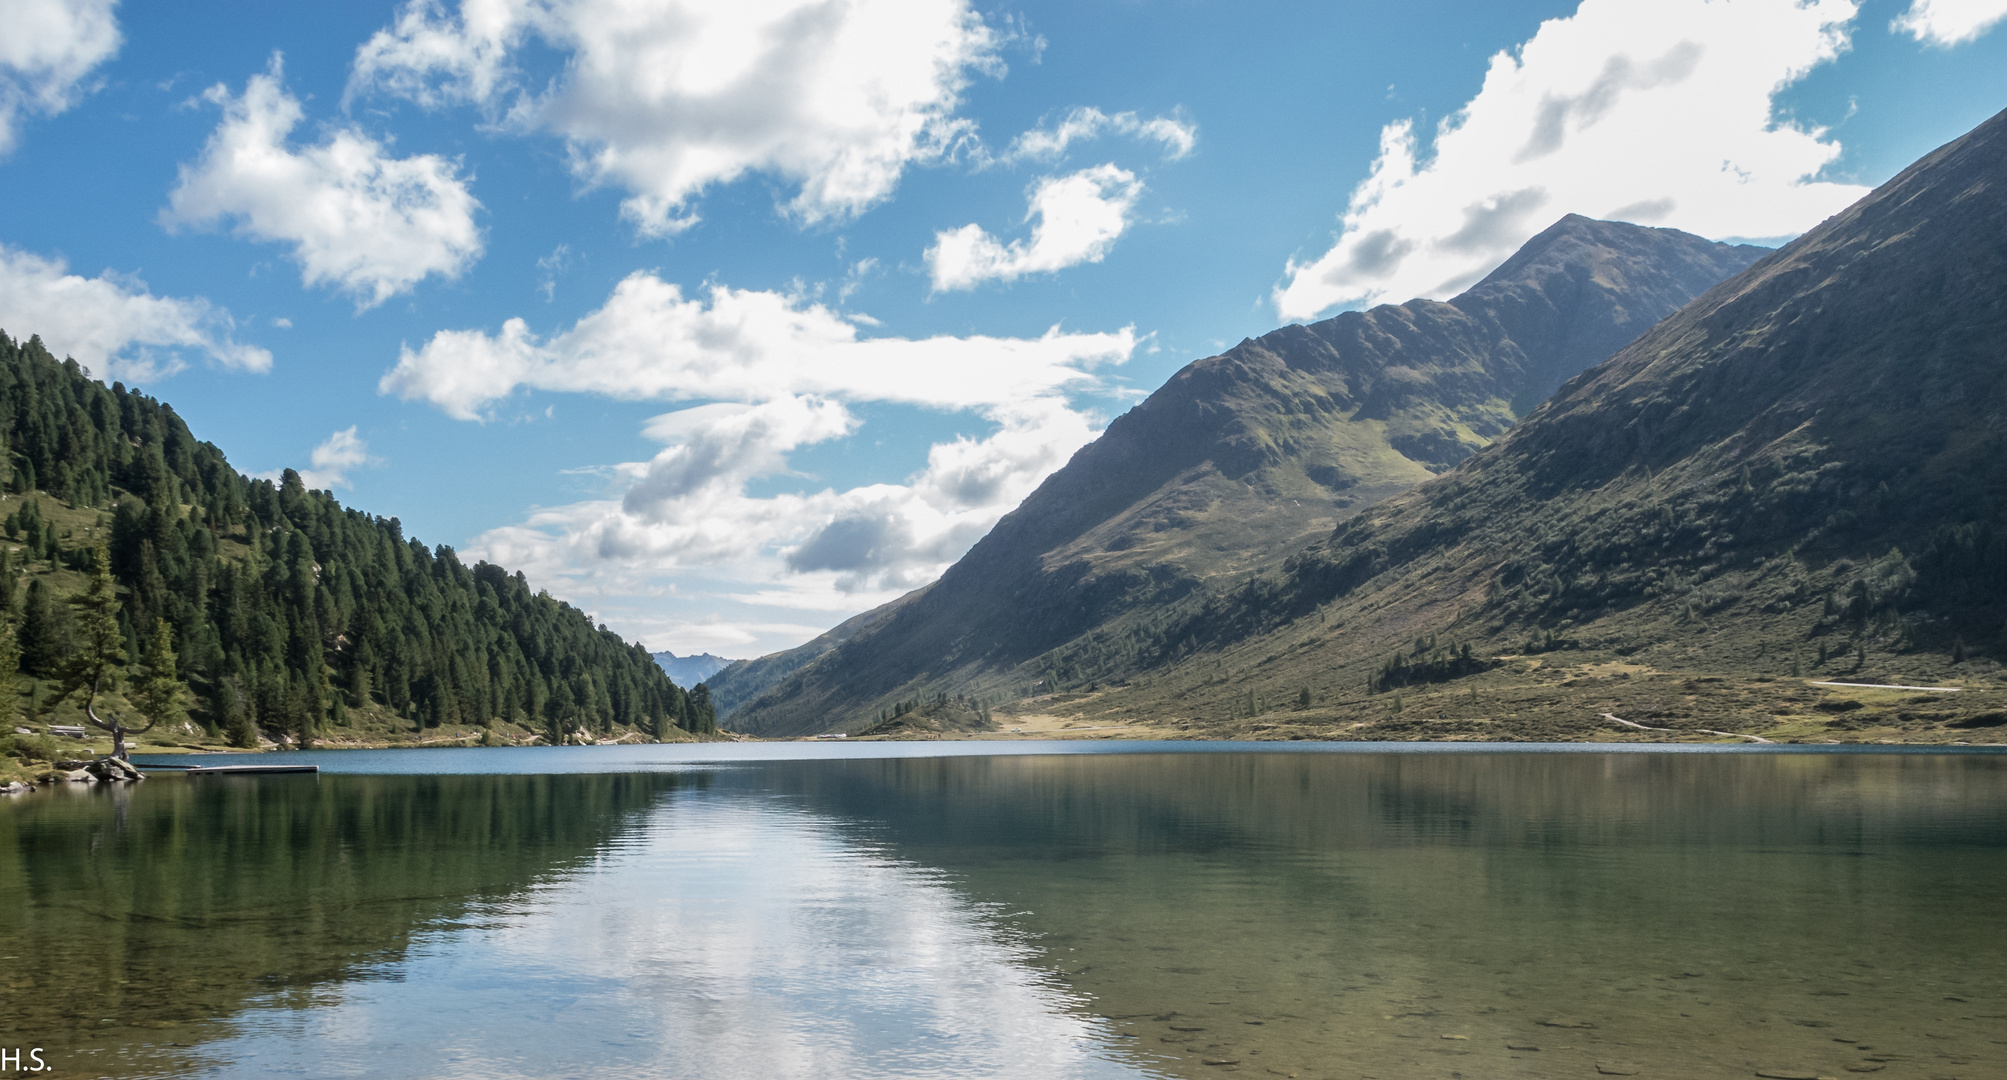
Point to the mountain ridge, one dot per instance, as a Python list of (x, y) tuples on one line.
[(691, 670), (1792, 486), (1237, 460)]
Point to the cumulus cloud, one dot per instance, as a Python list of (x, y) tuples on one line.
[(1655, 113), (688, 511), (47, 54), (649, 341), (837, 97), (719, 447), (774, 373), (112, 323), (1076, 219), (1177, 135), (359, 219), (332, 460), (1949, 22)]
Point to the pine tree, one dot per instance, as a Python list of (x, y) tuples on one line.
[(10, 663), (160, 690), (702, 717), (281, 589), (41, 647)]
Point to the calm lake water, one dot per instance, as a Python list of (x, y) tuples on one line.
[(970, 910)]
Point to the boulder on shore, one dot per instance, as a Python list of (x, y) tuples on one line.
[(115, 769), (95, 769)]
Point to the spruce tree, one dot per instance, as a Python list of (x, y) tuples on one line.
[(295, 597), (703, 719), (39, 649), (10, 663), (160, 689)]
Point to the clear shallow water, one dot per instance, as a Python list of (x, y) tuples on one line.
[(808, 910)]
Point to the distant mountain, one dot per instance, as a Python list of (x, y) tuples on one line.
[(1804, 472), (691, 670), (1236, 463), (748, 679)]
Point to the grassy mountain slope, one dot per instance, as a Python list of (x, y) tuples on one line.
[(1801, 476), (1239, 460)]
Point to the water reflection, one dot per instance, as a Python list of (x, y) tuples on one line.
[(1312, 915), (726, 938), (135, 922), (1425, 915)]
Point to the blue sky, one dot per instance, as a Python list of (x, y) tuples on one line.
[(727, 322)]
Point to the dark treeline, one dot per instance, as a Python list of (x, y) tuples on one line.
[(290, 610)]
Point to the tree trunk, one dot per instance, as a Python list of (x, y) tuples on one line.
[(116, 727)]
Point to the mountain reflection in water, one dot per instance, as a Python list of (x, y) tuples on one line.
[(1190, 914)]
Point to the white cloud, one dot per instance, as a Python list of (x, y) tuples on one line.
[(1949, 22), (836, 97), (1077, 219), (48, 50), (548, 269), (1177, 135), (1656, 113), (333, 459), (358, 218), (687, 525), (648, 341), (777, 373), (717, 448), (435, 60), (113, 324)]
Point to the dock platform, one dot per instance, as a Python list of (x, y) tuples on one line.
[(247, 770)]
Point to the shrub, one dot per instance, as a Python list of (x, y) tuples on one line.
[(32, 748)]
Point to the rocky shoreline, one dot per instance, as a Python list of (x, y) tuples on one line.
[(104, 770)]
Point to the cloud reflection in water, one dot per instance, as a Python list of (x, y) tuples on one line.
[(726, 937)]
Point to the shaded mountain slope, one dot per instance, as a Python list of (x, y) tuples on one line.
[(1239, 460), (1804, 471)]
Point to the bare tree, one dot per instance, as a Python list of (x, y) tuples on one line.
[(94, 667)]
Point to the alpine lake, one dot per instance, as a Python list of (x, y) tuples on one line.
[(1048, 910)]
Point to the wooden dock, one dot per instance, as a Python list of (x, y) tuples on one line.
[(246, 770)]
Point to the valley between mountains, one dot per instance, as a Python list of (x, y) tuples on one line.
[(1634, 485)]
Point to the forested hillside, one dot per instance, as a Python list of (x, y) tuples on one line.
[(293, 615)]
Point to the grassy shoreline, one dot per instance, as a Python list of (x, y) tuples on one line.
[(1542, 700), (1531, 700)]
